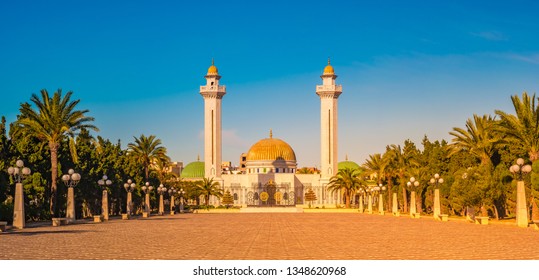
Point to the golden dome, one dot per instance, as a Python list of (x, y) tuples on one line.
[(329, 69), (212, 70), (271, 149)]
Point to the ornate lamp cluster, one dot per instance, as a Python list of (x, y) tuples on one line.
[(412, 183), (71, 179), (519, 169), (19, 172), (436, 180), (104, 182), (147, 188), (161, 189), (129, 186)]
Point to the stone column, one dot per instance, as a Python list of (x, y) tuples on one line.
[(361, 204), (172, 205), (129, 206), (437, 210), (522, 210), (70, 215), (18, 211), (369, 207), (412, 204), (105, 205), (161, 205), (380, 204), (147, 204), (395, 206)]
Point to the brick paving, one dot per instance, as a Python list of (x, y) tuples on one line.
[(272, 236)]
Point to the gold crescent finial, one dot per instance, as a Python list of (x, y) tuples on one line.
[(212, 61), (329, 61), (271, 133)]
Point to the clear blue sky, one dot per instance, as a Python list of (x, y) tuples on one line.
[(408, 68)]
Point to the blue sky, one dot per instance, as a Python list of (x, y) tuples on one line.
[(408, 68)]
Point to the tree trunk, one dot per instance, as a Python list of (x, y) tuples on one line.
[(347, 200), (404, 200), (54, 174)]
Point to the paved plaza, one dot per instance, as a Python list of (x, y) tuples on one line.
[(272, 236)]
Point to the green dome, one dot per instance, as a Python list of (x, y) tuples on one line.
[(347, 164), (194, 169)]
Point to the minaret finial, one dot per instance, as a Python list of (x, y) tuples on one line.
[(329, 61), (212, 61), (271, 133), (198, 157), (346, 157)]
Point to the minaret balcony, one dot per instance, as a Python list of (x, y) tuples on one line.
[(326, 88), (213, 88)]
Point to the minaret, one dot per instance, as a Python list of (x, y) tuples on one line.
[(212, 93), (329, 93)]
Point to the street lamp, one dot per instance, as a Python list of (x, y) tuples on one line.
[(369, 197), (436, 180), (412, 185), (104, 183), (171, 193), (360, 200), (19, 172), (71, 179), (129, 188), (380, 190), (181, 192), (147, 189), (519, 170), (161, 190)]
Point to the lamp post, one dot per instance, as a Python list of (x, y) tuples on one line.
[(19, 172), (395, 205), (412, 184), (171, 193), (369, 197), (129, 188), (104, 183), (360, 195), (436, 180), (381, 189), (71, 179), (147, 189), (161, 190), (181, 200), (519, 170)]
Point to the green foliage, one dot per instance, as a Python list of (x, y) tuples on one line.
[(208, 187), (310, 196), (348, 181), (227, 199)]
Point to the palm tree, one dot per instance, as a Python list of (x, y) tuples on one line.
[(148, 151), (55, 119), (375, 165), (348, 180), (399, 161), (209, 187), (522, 131), (478, 139)]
